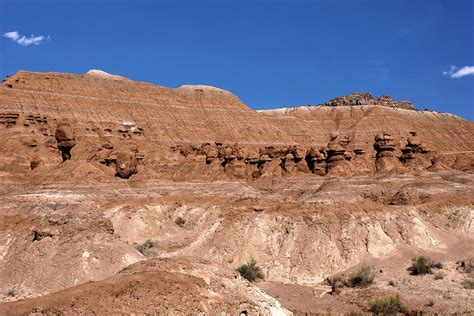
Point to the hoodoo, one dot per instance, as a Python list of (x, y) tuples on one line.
[(65, 138)]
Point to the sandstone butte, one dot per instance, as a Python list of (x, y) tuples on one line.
[(124, 197)]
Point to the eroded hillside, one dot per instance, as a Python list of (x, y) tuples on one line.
[(157, 195)]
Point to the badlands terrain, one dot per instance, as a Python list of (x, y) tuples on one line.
[(124, 197)]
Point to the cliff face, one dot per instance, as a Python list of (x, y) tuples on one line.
[(186, 114), (442, 132), (201, 131)]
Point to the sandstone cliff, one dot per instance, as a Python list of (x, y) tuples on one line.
[(201, 131)]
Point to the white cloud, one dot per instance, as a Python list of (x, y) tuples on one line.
[(23, 40), (12, 35), (455, 72), (464, 71)]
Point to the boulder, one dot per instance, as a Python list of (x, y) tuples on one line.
[(288, 163), (211, 153), (125, 164), (264, 158), (252, 156), (271, 151), (229, 153), (299, 152)]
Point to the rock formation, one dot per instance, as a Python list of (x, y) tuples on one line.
[(125, 164), (415, 153), (65, 138), (337, 153), (385, 146), (316, 160), (358, 98)]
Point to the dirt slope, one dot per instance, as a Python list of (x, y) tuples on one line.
[(313, 125), (188, 113), (157, 287)]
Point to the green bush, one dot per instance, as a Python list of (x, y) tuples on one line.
[(430, 303), (466, 266), (11, 293), (422, 265), (180, 221), (336, 283), (362, 278), (148, 248), (468, 284), (388, 305), (250, 271)]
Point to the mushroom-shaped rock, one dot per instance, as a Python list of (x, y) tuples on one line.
[(387, 153), (211, 153), (239, 153), (229, 153), (236, 169), (413, 140), (348, 155), (265, 158), (338, 143), (270, 151), (384, 142), (125, 164), (65, 138), (299, 152), (252, 156)]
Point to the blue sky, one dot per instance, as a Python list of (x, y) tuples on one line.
[(270, 53)]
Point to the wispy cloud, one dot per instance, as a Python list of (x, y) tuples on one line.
[(455, 72), (23, 40)]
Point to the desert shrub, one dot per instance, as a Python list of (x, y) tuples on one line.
[(180, 221), (391, 283), (50, 311), (362, 278), (388, 305), (250, 271), (11, 293), (468, 284), (466, 266), (336, 283), (422, 265), (148, 248), (430, 302), (436, 265), (439, 276)]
